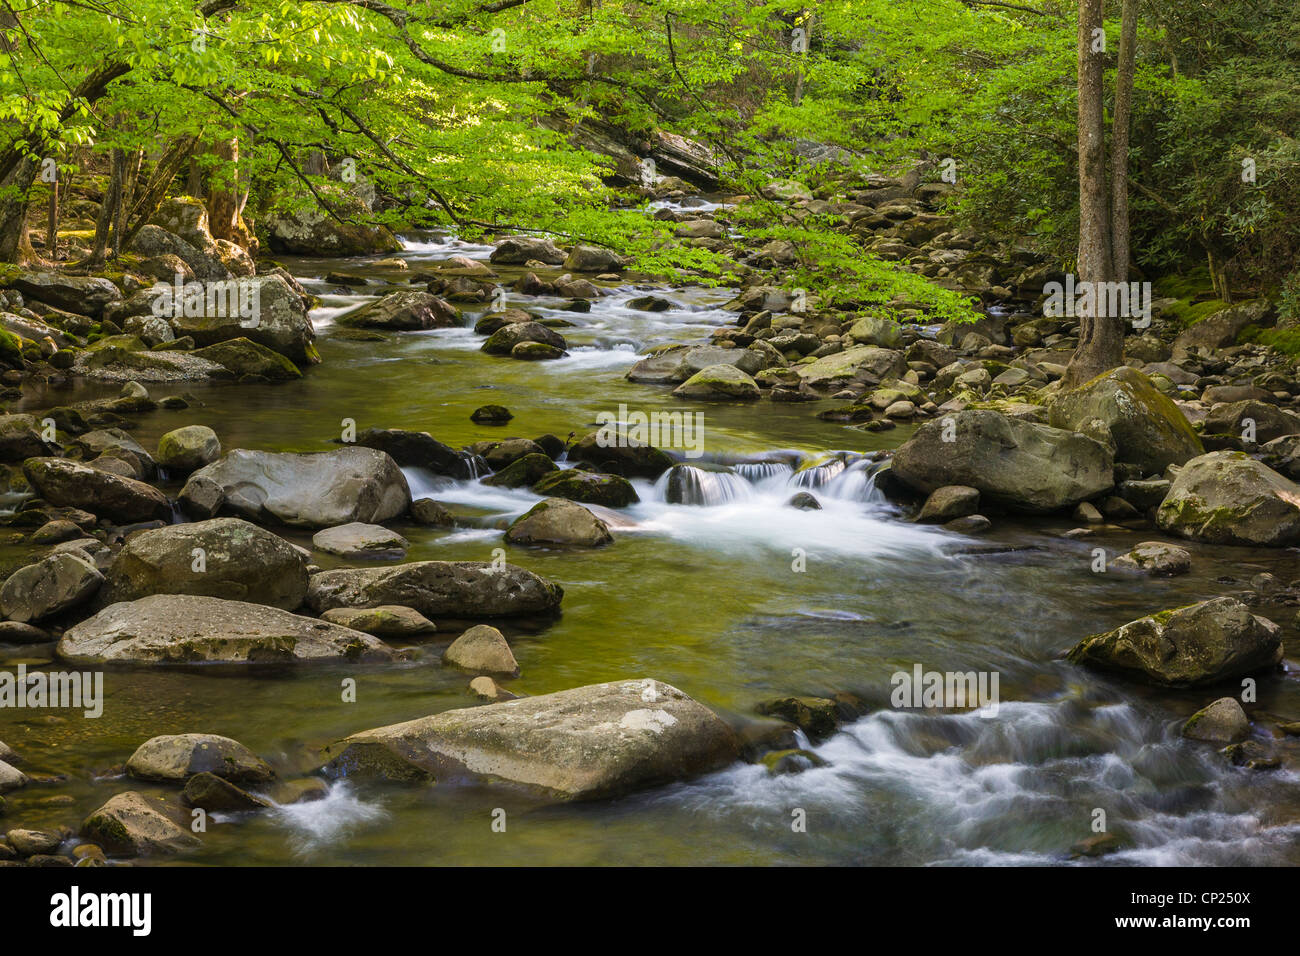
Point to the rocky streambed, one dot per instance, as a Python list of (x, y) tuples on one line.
[(355, 618)]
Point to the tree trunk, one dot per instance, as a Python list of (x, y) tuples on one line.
[(223, 191), (52, 224), (108, 210), (1101, 338), (13, 209), (1119, 133)]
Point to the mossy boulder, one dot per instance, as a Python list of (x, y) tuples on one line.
[(404, 311), (132, 824), (244, 358), (588, 487), (1199, 644), (1227, 497), (558, 521), (174, 758), (189, 448), (1149, 429), (1222, 722), (718, 382)]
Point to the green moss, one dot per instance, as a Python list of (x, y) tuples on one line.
[(1185, 312), (1286, 341)]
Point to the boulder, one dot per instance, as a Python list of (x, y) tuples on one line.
[(718, 382), (360, 540), (308, 230), (504, 339), (1227, 497), (517, 250), (593, 742), (20, 439), (1221, 722), (870, 330), (215, 795), (1149, 429), (1016, 464), (11, 778), (557, 521), (71, 484), (1199, 644), (619, 454), (246, 360), (949, 502), (187, 449), (317, 490), (522, 472), (1220, 329), (174, 758), (1155, 558), (221, 558), (85, 295), (163, 250), (404, 311), (860, 365), (483, 649), (593, 259), (183, 628), (1261, 422), (455, 589), (277, 320), (417, 450), (588, 487), (49, 587), (131, 824)]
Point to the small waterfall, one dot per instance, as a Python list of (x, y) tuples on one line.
[(857, 482), (702, 485), (472, 467), (814, 476), (760, 471)]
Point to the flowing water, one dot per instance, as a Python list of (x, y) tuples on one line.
[(732, 596)]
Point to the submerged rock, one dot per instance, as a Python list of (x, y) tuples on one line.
[(1227, 497), (1156, 558), (1016, 464), (1222, 722), (483, 649), (593, 742), (1198, 644), (183, 628), (456, 589), (391, 620), (315, 490), (360, 540), (221, 558)]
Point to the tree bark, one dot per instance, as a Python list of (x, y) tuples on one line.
[(223, 191), (1119, 132), (14, 191), (108, 210), (1101, 338)]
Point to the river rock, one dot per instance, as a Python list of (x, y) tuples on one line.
[(1253, 421), (247, 360), (306, 230), (870, 330), (860, 365), (1199, 644), (1220, 329), (559, 521), (949, 502), (177, 757), (593, 259), (404, 311), (483, 649), (316, 490), (1016, 464), (524, 472), (48, 587), (455, 589), (33, 842), (1221, 722), (611, 491), (360, 540), (417, 450), (592, 742), (183, 628), (131, 824), (718, 382), (117, 498), (216, 795), (85, 295), (1227, 497), (187, 449), (391, 620), (1156, 558), (238, 561), (278, 321), (11, 778), (20, 438), (618, 454), (504, 339), (517, 250), (1149, 429)]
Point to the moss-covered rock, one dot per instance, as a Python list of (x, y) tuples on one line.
[(718, 382), (1227, 497), (588, 487)]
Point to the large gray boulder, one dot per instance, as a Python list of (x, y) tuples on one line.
[(278, 322), (223, 558), (20, 438), (132, 824), (587, 743), (1221, 328), (174, 758), (1227, 497), (1016, 464), (407, 310), (316, 490), (456, 589), (50, 586), (85, 295), (71, 484), (860, 365), (557, 521), (1149, 429), (517, 250), (184, 628), (1199, 644)]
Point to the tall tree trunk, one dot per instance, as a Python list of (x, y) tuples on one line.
[(130, 183), (1119, 140), (223, 191), (108, 210), (1101, 338), (14, 191), (52, 224)]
